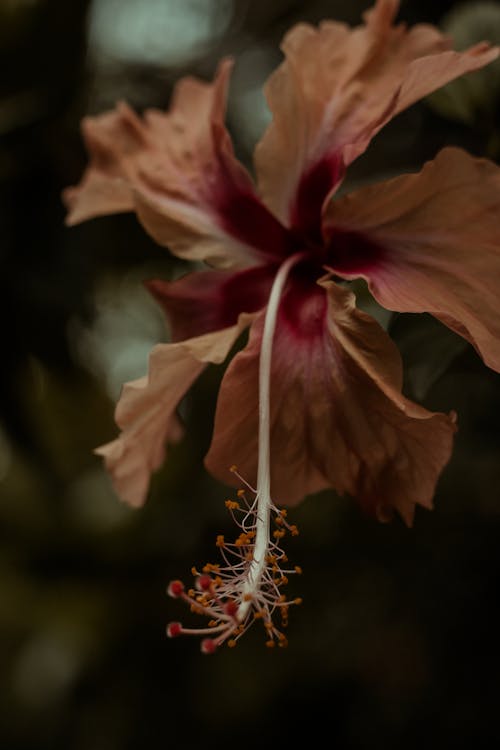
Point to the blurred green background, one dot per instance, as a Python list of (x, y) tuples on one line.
[(396, 643)]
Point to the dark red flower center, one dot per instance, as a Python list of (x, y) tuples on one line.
[(346, 251), (196, 308)]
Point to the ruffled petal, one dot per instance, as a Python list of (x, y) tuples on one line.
[(207, 301), (97, 195), (336, 88), (429, 242), (338, 417), (146, 411), (178, 171)]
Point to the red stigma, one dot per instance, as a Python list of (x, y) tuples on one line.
[(208, 646), (175, 589), (231, 608), (174, 629), (204, 583)]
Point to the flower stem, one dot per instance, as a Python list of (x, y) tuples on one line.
[(263, 494), (247, 586)]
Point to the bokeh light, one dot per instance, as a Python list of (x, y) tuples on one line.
[(159, 32)]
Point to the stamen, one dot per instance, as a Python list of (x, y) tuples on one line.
[(230, 595), (246, 587)]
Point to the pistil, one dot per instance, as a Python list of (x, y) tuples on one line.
[(263, 493), (247, 586)]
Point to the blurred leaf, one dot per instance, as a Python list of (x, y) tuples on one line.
[(473, 98), (428, 349)]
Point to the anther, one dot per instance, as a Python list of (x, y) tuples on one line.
[(209, 568)]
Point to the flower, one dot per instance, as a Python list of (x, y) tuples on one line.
[(314, 399)]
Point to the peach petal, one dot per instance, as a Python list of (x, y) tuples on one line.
[(439, 244), (339, 86), (98, 195), (146, 411), (338, 417), (178, 171), (114, 140)]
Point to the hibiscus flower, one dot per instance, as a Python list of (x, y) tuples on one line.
[(314, 399)]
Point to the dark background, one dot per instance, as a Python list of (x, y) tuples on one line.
[(396, 643)]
